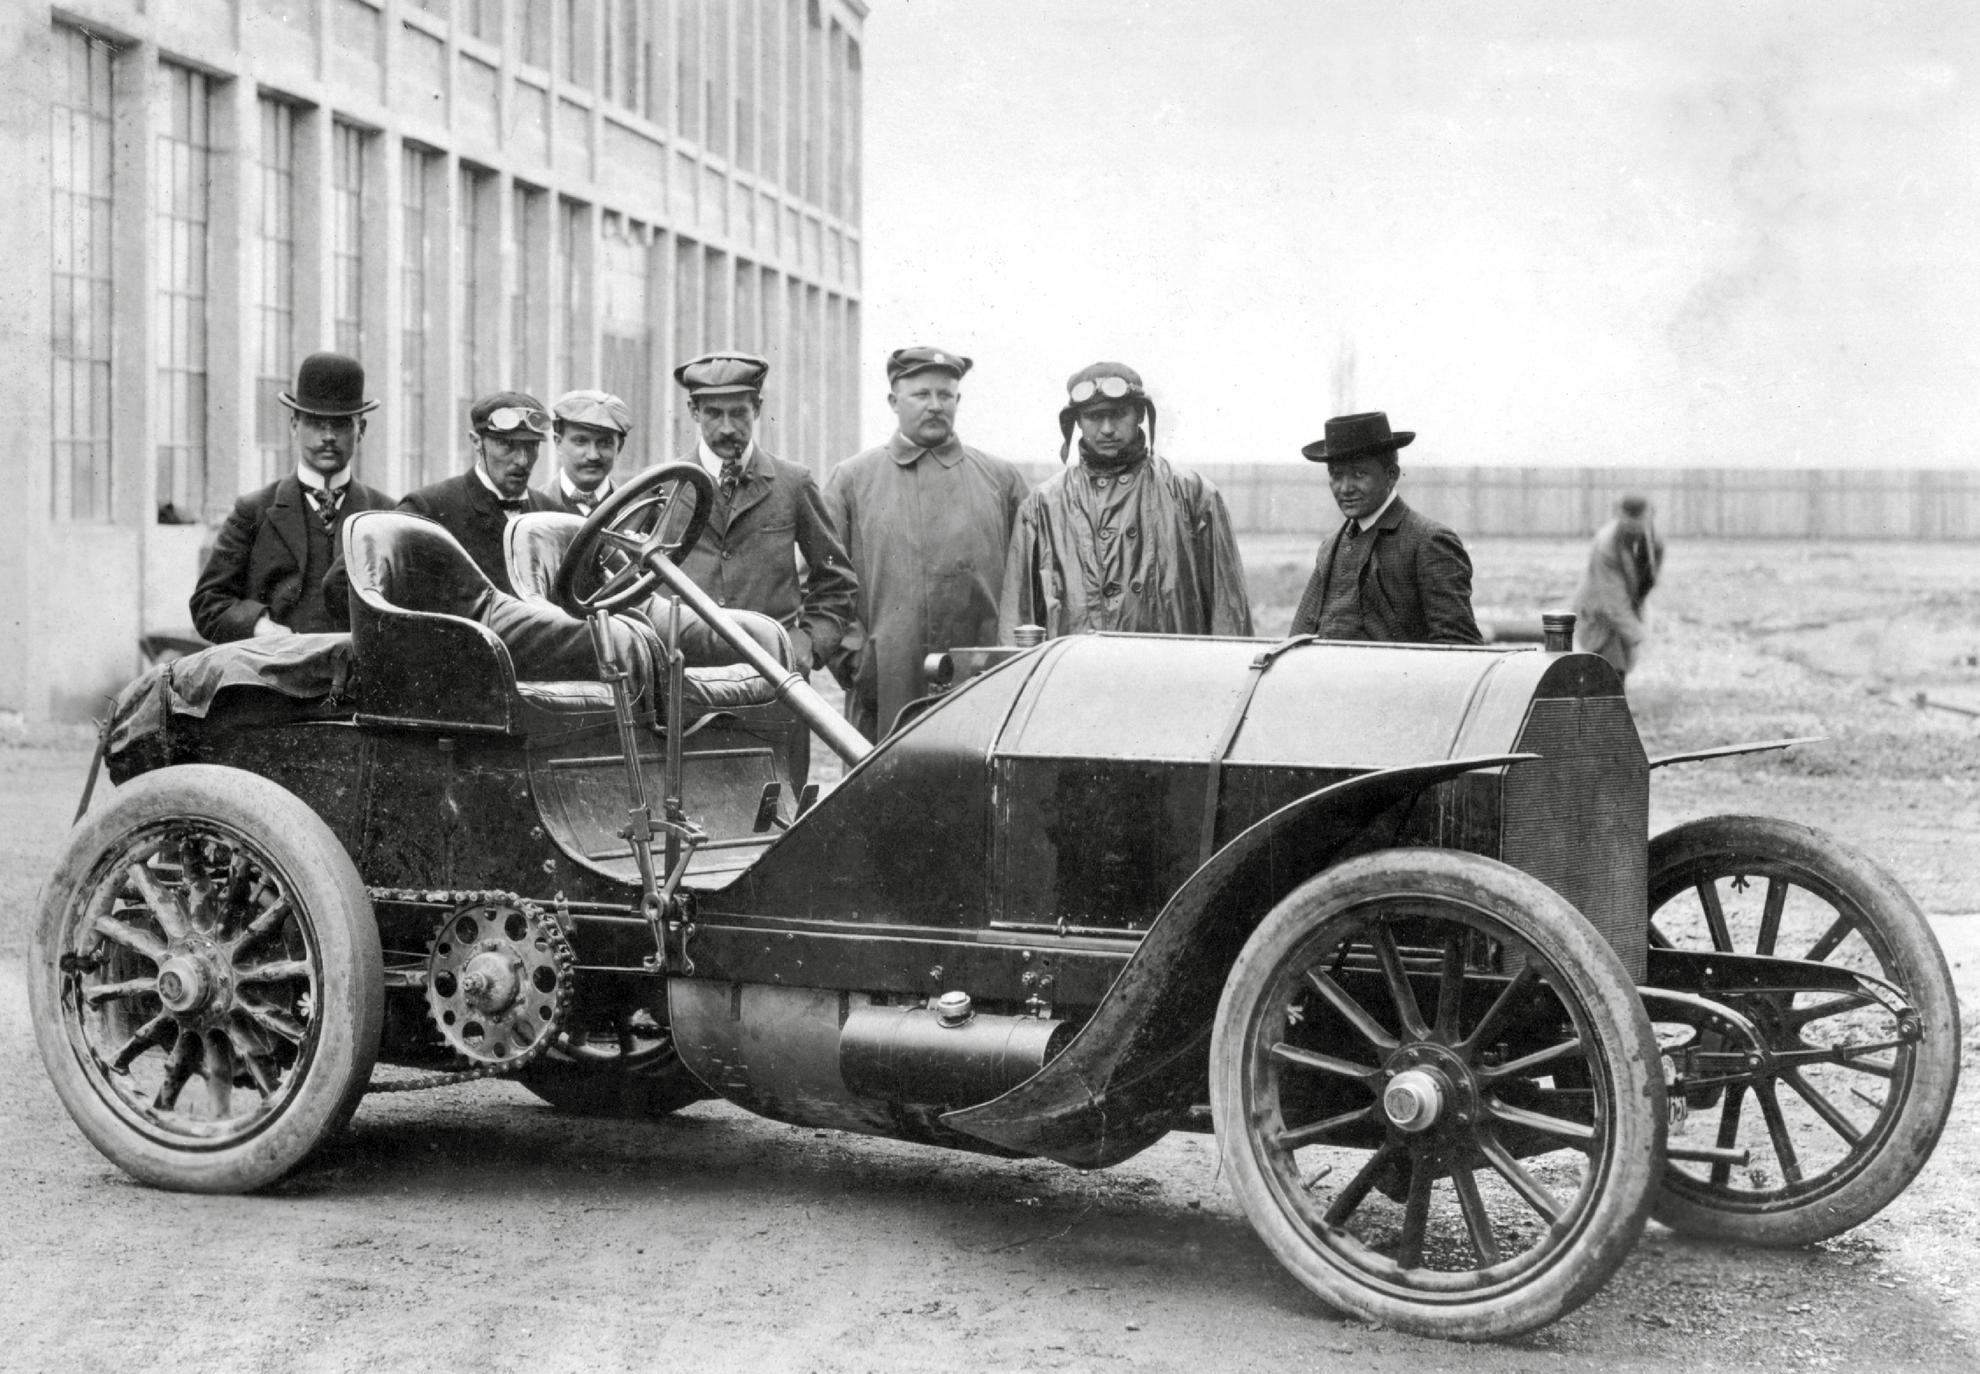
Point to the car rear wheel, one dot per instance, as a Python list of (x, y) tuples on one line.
[(621, 1063), (205, 979), (1829, 1144), (1437, 1095)]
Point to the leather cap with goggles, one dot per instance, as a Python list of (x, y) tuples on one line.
[(511, 415), (1099, 384), (1103, 388)]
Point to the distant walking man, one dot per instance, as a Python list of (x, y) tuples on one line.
[(767, 512), (1121, 540), (588, 429), (927, 522), (266, 573), (1387, 574), (1623, 563)]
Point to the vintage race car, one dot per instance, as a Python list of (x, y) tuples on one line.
[(1387, 918)]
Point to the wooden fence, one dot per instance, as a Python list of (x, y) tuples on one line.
[(1741, 503)]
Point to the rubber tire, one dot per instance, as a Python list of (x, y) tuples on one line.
[(332, 898), (1596, 976), (1912, 960)]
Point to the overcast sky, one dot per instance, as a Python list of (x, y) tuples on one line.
[(1688, 233)]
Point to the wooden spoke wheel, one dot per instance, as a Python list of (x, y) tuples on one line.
[(1437, 1095), (206, 982), (1829, 1144)]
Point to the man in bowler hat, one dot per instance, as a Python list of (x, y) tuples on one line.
[(1387, 574), (505, 431), (1121, 540), (927, 520), (266, 573), (588, 428), (767, 511)]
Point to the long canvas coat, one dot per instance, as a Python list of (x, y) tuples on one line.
[(1623, 562), (927, 531), (1147, 550)]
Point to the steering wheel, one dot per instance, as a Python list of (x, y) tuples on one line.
[(605, 568)]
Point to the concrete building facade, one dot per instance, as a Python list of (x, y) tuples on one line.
[(466, 194)]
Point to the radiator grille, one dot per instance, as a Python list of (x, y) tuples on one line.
[(1578, 818)]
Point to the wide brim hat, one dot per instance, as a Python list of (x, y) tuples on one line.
[(1357, 436), (328, 384), (1094, 380), (722, 374)]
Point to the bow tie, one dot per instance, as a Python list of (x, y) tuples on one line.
[(515, 507)]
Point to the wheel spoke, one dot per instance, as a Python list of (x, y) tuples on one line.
[(274, 1019), (270, 917), (142, 1039), (1834, 1006), (1400, 992), (178, 1069), (1502, 1006), (1777, 1132), (620, 539), (1823, 1107), (129, 936), (1357, 1189), (1514, 1173), (1350, 1010), (1477, 1221), (279, 971), (167, 907), (1715, 915), (1728, 1131), (1295, 1137), (1770, 916), (1416, 1214), (1524, 1067), (110, 992), (251, 1050), (1659, 940), (219, 1074), (1450, 987), (1547, 1125), (1324, 1063), (1837, 932)]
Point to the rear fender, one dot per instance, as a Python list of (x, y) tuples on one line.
[(1139, 1062)]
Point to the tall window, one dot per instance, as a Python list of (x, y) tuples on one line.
[(835, 141), (849, 152), (347, 237), (184, 151), (570, 223), (687, 84), (483, 18), (81, 205), (814, 105), (715, 74), (745, 22), (536, 33), (275, 284), (576, 31), (622, 52), (526, 225), (794, 139), (416, 172), (471, 253), (626, 323), (770, 26)]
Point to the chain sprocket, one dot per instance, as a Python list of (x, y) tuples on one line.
[(500, 976)]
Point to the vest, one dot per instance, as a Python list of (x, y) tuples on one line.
[(1340, 608), (309, 616)]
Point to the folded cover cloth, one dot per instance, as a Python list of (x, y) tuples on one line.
[(314, 668)]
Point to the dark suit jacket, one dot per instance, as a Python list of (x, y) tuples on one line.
[(1414, 589), (554, 494), (469, 511), (748, 559), (259, 555)]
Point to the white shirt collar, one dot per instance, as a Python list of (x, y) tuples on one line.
[(1365, 525), (712, 461), (572, 491), (310, 477), (496, 492)]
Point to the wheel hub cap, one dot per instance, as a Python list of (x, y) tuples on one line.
[(1413, 1100), (491, 981), (183, 984)]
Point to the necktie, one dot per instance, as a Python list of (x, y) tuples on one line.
[(731, 477), (326, 501)]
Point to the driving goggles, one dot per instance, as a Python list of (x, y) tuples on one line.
[(1113, 388), (510, 419)]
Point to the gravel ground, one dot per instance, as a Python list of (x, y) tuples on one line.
[(474, 1226)]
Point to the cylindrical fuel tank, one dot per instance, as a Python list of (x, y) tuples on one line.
[(911, 1054)]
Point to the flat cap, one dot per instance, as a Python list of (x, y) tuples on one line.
[(722, 374), (905, 362), (511, 414), (599, 409)]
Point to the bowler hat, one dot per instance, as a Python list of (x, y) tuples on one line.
[(328, 384), (1357, 436), (598, 409), (722, 374), (905, 362)]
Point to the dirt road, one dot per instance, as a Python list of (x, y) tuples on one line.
[(474, 1228)]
